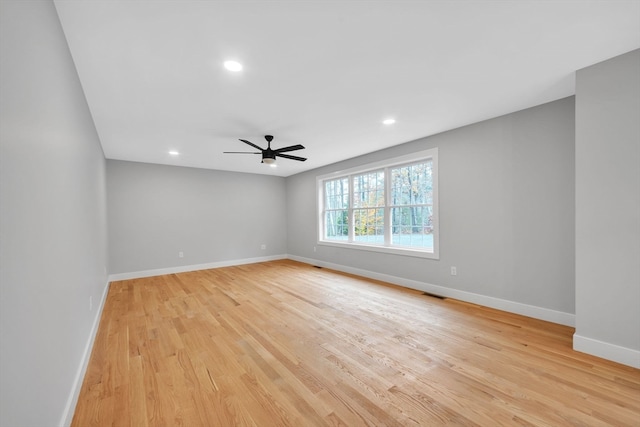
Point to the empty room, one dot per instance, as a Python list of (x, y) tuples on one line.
[(319, 213)]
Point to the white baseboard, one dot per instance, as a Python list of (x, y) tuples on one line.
[(541, 313), (194, 267), (72, 401), (605, 350)]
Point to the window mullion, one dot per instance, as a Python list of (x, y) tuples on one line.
[(322, 232), (352, 228), (387, 207)]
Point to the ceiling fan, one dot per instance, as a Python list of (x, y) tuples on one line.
[(269, 155)]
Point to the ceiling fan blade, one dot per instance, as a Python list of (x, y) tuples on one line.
[(239, 152), (286, 156), (251, 144), (291, 148)]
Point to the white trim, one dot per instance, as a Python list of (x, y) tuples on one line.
[(72, 401), (396, 250), (605, 350), (194, 267), (536, 312)]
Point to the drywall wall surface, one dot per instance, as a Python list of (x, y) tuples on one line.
[(53, 236), (608, 202), (506, 191), (157, 211)]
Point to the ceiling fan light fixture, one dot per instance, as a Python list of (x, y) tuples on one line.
[(268, 160)]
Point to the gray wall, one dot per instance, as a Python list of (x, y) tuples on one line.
[(156, 211), (608, 205), (53, 238), (506, 191)]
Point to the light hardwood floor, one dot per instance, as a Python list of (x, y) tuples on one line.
[(286, 344)]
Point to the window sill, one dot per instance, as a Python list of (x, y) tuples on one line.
[(385, 249)]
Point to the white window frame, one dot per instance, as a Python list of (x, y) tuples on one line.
[(386, 165)]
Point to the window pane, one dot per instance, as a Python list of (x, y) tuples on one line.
[(412, 226), (369, 225), (412, 185), (336, 225), (336, 194), (368, 190)]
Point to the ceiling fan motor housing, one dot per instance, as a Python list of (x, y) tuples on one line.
[(268, 156)]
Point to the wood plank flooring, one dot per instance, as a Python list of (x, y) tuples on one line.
[(286, 344)]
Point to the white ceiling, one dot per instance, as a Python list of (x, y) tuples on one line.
[(323, 73)]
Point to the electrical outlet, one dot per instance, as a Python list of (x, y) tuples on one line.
[(314, 249), (180, 254), (263, 246), (454, 271)]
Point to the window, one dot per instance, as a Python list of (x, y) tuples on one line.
[(389, 206)]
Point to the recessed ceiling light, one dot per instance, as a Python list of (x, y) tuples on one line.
[(388, 121), (233, 66), (173, 153)]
